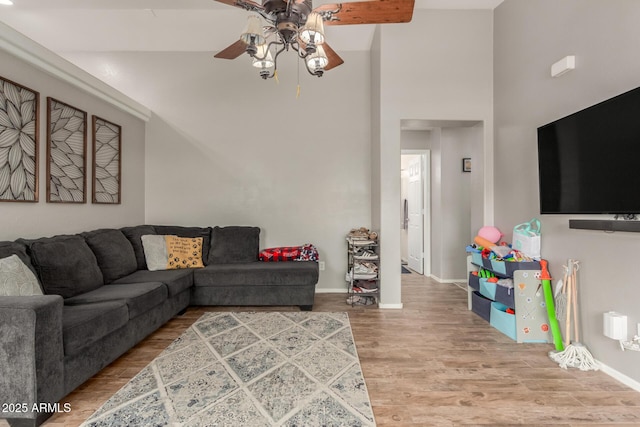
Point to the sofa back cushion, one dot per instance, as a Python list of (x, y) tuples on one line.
[(174, 230), (113, 252), (134, 234), (234, 244), (65, 264)]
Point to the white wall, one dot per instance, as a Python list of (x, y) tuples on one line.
[(225, 147), (31, 220), (529, 37), (438, 67), (455, 224)]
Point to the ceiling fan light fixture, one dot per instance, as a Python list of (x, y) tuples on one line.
[(317, 61), (253, 34), (263, 58), (313, 30)]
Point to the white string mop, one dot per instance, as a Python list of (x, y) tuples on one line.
[(574, 355)]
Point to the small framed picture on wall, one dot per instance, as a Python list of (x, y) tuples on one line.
[(466, 164)]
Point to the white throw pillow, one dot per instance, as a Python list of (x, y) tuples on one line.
[(155, 252), (16, 279)]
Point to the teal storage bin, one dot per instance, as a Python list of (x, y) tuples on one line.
[(499, 266), (487, 289), (503, 321), (476, 258)]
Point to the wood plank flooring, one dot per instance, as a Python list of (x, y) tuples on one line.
[(432, 363)]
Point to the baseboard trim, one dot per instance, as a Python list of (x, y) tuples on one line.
[(391, 306), (629, 382), (331, 290), (439, 280)]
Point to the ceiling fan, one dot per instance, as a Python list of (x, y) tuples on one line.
[(297, 25)]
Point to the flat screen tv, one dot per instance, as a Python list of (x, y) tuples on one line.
[(589, 161)]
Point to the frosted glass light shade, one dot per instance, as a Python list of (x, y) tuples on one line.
[(313, 30), (264, 53), (253, 31), (317, 60), (6, 2)]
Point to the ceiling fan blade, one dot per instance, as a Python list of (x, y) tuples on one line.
[(332, 56), (243, 4), (369, 12), (233, 51)]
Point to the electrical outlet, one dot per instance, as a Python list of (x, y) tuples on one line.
[(321, 265)]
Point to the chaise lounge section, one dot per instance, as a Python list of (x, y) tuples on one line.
[(100, 299)]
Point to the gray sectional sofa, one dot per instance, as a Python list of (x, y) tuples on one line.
[(100, 300)]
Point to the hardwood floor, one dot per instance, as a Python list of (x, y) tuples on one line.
[(432, 363)]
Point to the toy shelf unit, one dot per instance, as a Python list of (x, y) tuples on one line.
[(363, 279), (515, 307)]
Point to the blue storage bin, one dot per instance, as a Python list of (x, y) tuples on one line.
[(474, 282), (487, 289), (481, 306), (503, 321), (505, 296)]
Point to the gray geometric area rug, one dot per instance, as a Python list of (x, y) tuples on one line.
[(249, 369)]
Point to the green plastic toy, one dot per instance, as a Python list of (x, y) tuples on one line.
[(545, 277)]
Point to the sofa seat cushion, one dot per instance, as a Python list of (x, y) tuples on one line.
[(139, 297), (66, 265), (113, 252), (257, 273), (176, 280), (85, 324)]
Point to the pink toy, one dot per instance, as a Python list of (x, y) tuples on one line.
[(490, 233)]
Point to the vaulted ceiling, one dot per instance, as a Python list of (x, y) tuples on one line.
[(165, 25)]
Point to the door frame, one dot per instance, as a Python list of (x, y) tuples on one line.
[(426, 199)]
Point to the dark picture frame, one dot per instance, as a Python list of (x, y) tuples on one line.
[(107, 170), (66, 153), (466, 164), (19, 141)]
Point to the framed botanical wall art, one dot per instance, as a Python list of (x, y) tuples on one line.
[(66, 153), (19, 110), (106, 161)]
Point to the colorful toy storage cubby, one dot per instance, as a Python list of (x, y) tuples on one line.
[(491, 301)]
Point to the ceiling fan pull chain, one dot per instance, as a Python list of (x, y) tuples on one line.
[(298, 88)]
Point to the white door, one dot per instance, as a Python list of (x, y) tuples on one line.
[(415, 232)]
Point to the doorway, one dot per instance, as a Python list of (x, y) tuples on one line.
[(454, 199), (415, 210)]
